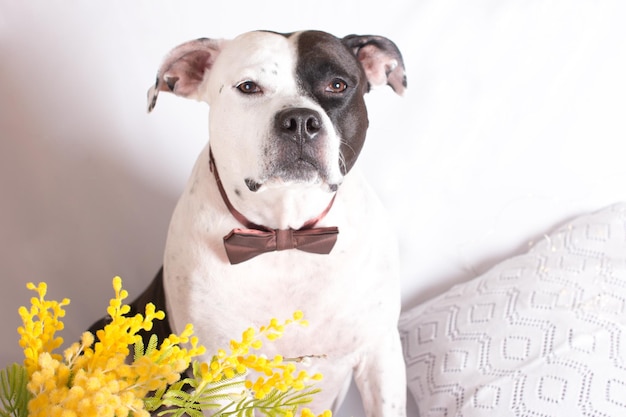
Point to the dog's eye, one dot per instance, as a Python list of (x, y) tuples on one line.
[(248, 87), (336, 86)]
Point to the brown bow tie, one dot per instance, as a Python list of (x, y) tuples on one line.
[(244, 244)]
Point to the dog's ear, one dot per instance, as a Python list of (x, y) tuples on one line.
[(184, 68), (381, 59)]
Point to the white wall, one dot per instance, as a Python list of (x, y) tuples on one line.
[(514, 122)]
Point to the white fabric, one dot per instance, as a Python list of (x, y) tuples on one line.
[(540, 334)]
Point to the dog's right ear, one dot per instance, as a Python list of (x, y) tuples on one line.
[(381, 60), (184, 68)]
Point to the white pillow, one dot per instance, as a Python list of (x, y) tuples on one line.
[(541, 334)]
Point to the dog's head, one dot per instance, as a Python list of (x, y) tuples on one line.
[(285, 108)]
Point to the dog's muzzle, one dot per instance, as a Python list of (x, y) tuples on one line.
[(297, 150)]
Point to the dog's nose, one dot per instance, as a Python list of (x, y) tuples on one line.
[(298, 124)]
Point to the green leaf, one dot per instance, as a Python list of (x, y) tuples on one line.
[(275, 403), (226, 398), (14, 395), (142, 350), (139, 349), (153, 342)]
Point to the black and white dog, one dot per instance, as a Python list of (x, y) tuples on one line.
[(276, 217)]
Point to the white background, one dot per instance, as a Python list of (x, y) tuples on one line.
[(514, 122)]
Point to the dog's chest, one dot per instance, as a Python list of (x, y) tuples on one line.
[(338, 292), (330, 289)]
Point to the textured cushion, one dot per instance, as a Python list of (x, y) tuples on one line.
[(541, 334)]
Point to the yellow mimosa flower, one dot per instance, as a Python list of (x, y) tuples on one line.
[(94, 377)]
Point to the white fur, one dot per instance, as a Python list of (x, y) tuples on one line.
[(350, 297)]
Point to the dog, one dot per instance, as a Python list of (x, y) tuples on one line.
[(276, 216)]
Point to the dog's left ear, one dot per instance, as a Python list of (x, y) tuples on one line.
[(184, 68), (381, 59)]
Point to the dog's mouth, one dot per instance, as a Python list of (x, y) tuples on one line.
[(301, 171)]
